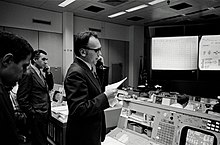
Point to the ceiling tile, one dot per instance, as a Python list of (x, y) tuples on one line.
[(181, 6), (135, 18), (159, 14), (94, 9), (113, 2)]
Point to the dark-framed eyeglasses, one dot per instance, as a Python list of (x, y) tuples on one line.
[(96, 50)]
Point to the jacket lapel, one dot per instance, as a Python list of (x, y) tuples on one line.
[(89, 74), (37, 77)]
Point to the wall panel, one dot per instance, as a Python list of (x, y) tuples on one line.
[(20, 16), (118, 55), (52, 44), (30, 35)]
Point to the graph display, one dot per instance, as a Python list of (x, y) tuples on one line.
[(198, 138), (174, 53), (209, 52)]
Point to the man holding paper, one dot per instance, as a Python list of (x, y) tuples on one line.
[(85, 99)]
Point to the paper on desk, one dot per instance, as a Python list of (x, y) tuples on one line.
[(111, 141), (115, 85), (61, 109)]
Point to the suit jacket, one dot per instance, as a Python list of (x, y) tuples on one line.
[(8, 130), (86, 104), (33, 93)]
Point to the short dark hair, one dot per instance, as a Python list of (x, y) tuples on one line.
[(81, 40), (36, 54), (14, 44), (182, 99)]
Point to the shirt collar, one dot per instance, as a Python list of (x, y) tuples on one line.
[(36, 69), (89, 65)]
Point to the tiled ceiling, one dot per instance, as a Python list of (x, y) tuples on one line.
[(169, 12)]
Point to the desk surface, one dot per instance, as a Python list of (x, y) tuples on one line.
[(60, 113)]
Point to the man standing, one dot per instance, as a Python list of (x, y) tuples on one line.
[(85, 99), (33, 96), (15, 56)]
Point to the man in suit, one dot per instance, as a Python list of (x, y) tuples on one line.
[(33, 96), (15, 56), (85, 99)]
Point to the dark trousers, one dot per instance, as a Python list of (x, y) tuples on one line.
[(39, 126)]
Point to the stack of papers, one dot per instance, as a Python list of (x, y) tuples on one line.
[(60, 113), (111, 141)]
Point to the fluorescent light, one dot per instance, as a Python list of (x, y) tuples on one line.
[(211, 8), (136, 8), (116, 14), (156, 2), (65, 3)]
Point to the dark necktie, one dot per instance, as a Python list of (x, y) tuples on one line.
[(95, 75), (42, 77), (94, 72)]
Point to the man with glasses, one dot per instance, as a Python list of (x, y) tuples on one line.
[(85, 99)]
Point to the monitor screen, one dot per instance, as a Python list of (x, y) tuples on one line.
[(209, 53), (174, 53), (193, 136)]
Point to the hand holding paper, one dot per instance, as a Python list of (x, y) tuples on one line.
[(111, 92), (115, 85)]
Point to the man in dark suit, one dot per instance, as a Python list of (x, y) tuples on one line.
[(15, 56), (33, 96), (85, 99)]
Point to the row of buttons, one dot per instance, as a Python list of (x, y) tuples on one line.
[(213, 129), (213, 125)]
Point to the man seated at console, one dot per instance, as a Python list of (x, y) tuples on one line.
[(182, 101), (216, 107)]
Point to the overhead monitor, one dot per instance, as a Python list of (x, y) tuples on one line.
[(174, 53), (209, 52)]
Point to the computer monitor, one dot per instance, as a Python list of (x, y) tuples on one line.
[(194, 136)]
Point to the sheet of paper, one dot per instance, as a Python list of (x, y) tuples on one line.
[(165, 101), (111, 141), (61, 109), (115, 85)]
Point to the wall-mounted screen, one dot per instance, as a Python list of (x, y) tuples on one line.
[(209, 52), (174, 53)]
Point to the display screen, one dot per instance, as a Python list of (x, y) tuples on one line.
[(194, 136), (174, 53), (198, 138), (209, 54)]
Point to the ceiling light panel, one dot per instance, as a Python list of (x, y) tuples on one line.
[(136, 8), (117, 14), (156, 2), (65, 3)]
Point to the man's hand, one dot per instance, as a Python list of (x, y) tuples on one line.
[(111, 93), (46, 69)]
